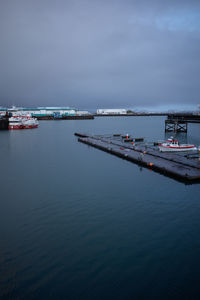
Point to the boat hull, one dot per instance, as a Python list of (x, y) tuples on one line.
[(22, 122), (176, 149), (30, 126), (15, 126)]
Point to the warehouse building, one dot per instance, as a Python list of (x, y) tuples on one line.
[(112, 111)]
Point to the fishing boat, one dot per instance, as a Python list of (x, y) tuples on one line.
[(22, 122), (172, 145), (15, 123), (29, 123)]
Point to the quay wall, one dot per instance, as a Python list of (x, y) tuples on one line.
[(4, 124)]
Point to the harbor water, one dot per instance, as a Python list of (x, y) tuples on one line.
[(79, 223)]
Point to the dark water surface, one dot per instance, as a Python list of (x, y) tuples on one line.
[(78, 223)]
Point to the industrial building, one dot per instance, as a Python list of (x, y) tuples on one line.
[(113, 111), (44, 111)]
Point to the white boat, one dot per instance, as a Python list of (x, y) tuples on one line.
[(22, 122), (172, 145), (15, 123), (29, 123)]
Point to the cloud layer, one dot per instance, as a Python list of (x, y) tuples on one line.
[(91, 53)]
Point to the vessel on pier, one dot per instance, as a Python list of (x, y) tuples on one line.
[(172, 145)]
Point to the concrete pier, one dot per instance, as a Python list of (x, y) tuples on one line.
[(182, 167)]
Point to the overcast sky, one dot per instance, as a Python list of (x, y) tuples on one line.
[(100, 53)]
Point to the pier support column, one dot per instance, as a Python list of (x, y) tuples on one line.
[(175, 126)]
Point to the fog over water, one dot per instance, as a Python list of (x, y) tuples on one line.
[(94, 54)]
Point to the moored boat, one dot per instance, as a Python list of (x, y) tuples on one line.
[(15, 123), (172, 145), (29, 123), (22, 122)]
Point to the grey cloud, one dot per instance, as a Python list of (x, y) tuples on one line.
[(99, 53)]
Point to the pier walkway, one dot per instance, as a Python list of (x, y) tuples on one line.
[(182, 166)]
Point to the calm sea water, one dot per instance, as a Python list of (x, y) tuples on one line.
[(78, 223)]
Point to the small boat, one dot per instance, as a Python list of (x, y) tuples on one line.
[(172, 145)]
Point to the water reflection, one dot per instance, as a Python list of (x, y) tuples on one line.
[(182, 137)]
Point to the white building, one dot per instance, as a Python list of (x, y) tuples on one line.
[(82, 112), (113, 111), (49, 111), (41, 111), (44, 111)]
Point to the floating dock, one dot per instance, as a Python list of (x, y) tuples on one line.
[(184, 167)]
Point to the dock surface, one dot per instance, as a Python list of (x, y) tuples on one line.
[(181, 166)]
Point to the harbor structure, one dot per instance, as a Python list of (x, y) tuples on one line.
[(46, 112), (183, 167), (4, 123), (40, 111), (179, 122), (174, 125), (114, 111)]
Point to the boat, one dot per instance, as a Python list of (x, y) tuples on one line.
[(22, 122), (29, 123), (15, 123), (172, 145)]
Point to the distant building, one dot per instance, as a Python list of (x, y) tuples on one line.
[(41, 111), (82, 112), (44, 111), (50, 111), (113, 111)]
